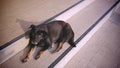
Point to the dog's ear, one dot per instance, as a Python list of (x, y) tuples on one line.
[(32, 26)]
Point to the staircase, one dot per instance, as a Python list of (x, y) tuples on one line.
[(94, 23)]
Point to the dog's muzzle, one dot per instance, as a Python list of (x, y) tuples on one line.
[(35, 43)]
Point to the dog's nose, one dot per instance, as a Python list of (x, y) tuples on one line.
[(34, 43)]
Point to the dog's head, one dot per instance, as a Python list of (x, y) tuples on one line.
[(36, 34)]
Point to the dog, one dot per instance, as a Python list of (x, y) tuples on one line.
[(43, 36)]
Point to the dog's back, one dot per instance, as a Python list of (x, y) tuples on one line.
[(55, 28), (60, 30)]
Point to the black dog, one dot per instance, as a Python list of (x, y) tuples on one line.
[(43, 36)]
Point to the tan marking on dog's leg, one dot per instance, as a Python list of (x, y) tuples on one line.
[(28, 55), (59, 47), (39, 54)]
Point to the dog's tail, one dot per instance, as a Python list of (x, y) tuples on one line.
[(72, 43), (32, 26)]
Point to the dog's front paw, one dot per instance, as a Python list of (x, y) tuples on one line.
[(37, 57), (24, 60), (54, 51)]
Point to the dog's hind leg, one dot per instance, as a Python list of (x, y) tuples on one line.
[(41, 52), (60, 45), (28, 55)]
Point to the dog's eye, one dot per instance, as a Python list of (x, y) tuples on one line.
[(40, 33)]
